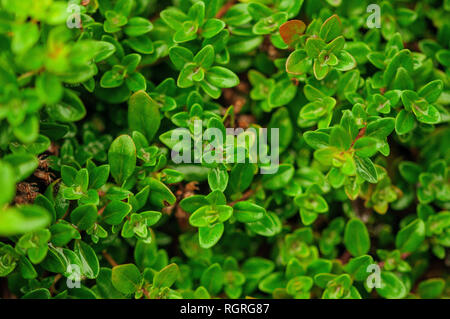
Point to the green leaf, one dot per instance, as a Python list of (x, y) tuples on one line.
[(187, 33), (26, 268), (194, 202), (298, 63), (402, 80), (359, 50), (314, 47), (340, 138), (406, 16), (357, 267), (49, 88), (25, 36), (281, 120), (88, 257), (122, 158), (115, 212), (205, 57), (196, 12), (404, 122), (207, 215), (331, 28), (212, 279), (136, 82), (429, 115), (131, 61), (380, 128), (248, 212), (366, 169), (141, 44), (316, 139), (269, 24), (218, 179), (280, 178), (431, 288), (69, 109), (28, 130), (151, 217), (174, 18), (160, 194), (282, 93), (345, 61), (431, 91), (241, 177), (209, 235), (409, 238), (268, 226), (24, 219), (84, 216), (68, 174), (23, 164), (212, 27), (63, 233), (40, 293), (180, 56), (137, 26), (299, 284), (221, 77), (143, 114), (126, 278), (257, 267), (443, 56), (8, 180), (258, 10), (271, 282), (113, 78), (242, 45), (105, 286), (104, 50), (185, 78), (325, 155), (392, 287), (366, 146), (98, 176), (167, 276), (356, 238), (320, 70)]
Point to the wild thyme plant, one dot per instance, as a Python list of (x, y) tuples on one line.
[(347, 103)]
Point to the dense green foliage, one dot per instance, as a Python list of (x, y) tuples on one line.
[(91, 92)]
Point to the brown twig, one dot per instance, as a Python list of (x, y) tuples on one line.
[(29, 73), (55, 281), (360, 134), (345, 257), (147, 295), (108, 257), (65, 214), (183, 192), (222, 11), (245, 196), (101, 210), (5, 293)]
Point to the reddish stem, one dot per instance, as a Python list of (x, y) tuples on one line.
[(108, 257), (222, 11), (245, 196), (360, 134)]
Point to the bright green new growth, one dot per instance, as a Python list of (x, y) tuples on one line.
[(92, 204)]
